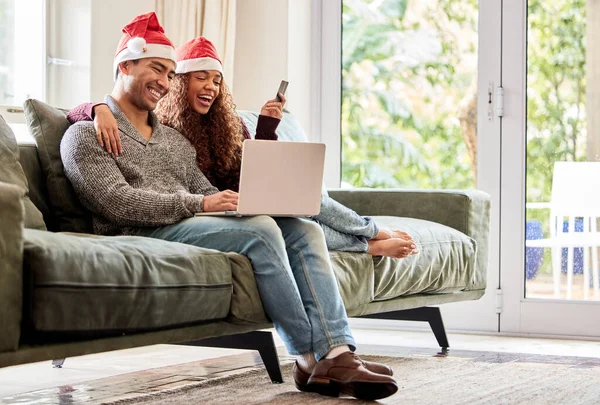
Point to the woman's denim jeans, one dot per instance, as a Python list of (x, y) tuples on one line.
[(344, 229), (294, 275)]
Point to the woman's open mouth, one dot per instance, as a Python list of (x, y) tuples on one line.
[(205, 101)]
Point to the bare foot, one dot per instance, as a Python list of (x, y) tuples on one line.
[(385, 233), (401, 235), (392, 247)]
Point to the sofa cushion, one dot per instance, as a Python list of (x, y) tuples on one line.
[(87, 283), (11, 172), (445, 264), (48, 125), (11, 264), (246, 306)]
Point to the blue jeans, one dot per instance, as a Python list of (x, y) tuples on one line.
[(291, 265), (344, 229)]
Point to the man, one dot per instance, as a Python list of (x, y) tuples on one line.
[(154, 189)]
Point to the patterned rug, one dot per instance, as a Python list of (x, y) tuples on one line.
[(483, 378)]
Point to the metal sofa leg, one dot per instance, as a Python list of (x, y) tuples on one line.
[(58, 363), (257, 340), (424, 314)]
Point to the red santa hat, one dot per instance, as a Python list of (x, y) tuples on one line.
[(142, 38), (198, 54)]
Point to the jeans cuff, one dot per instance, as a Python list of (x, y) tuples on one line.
[(297, 350), (323, 347)]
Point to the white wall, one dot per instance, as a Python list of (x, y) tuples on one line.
[(273, 43), (108, 17), (260, 51)]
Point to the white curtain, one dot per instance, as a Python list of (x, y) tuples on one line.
[(212, 19)]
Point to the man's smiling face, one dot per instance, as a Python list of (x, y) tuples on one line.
[(148, 80)]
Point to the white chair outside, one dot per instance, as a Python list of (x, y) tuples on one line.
[(575, 194)]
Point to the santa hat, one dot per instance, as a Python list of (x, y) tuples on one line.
[(142, 38), (198, 54)]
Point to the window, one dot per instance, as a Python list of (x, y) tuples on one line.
[(409, 93), (22, 63), (22, 60)]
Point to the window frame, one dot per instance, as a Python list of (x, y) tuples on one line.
[(12, 114), (327, 85)]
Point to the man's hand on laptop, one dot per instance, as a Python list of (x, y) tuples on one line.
[(222, 201)]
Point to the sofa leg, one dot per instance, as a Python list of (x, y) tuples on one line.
[(437, 326), (58, 363), (257, 340), (425, 314)]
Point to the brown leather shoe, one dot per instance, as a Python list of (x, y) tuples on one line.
[(377, 368), (347, 374), (301, 377)]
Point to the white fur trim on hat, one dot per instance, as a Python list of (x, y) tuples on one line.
[(147, 51), (195, 65)]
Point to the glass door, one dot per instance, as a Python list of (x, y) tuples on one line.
[(417, 111), (550, 176)]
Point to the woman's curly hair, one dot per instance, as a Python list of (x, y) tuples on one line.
[(217, 135)]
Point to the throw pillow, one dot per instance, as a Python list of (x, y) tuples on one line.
[(12, 172), (48, 125)]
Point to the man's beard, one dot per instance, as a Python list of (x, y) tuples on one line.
[(140, 101)]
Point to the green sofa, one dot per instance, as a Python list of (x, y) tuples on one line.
[(64, 292)]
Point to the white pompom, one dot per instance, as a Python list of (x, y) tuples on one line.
[(136, 45)]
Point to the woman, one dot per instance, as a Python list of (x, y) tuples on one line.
[(200, 106)]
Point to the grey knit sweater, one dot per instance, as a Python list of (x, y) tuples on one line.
[(154, 183)]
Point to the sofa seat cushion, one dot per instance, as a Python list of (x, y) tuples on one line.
[(246, 305), (445, 264), (87, 283)]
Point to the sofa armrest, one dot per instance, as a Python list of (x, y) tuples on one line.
[(12, 219), (467, 211)]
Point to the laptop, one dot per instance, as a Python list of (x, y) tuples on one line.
[(279, 178)]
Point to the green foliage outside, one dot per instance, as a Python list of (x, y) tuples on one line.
[(407, 68), (556, 126)]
